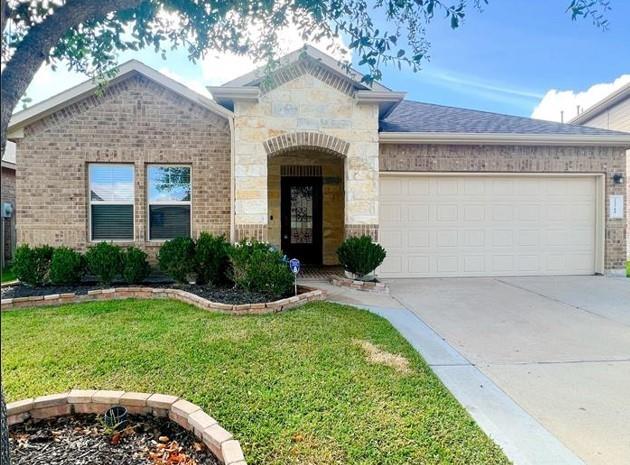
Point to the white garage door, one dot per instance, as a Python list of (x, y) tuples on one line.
[(487, 225)]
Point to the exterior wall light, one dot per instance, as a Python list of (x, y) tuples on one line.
[(617, 178)]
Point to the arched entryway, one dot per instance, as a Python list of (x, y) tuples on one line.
[(305, 175)]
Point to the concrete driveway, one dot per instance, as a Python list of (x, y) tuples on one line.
[(558, 346)]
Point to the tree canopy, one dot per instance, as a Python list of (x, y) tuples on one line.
[(88, 35)]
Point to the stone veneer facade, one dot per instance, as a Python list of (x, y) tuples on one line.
[(521, 159), (310, 102), (135, 121)]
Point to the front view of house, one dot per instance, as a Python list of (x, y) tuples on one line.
[(309, 155)]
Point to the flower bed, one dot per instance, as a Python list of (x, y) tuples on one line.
[(187, 415), (305, 294)]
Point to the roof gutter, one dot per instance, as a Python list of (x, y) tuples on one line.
[(503, 139)]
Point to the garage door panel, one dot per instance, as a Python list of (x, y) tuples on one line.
[(487, 225)]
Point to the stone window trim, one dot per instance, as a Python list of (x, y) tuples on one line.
[(170, 202), (90, 203), (318, 141)]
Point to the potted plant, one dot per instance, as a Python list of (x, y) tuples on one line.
[(360, 256)]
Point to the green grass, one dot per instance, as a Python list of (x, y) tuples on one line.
[(294, 388), (8, 275)]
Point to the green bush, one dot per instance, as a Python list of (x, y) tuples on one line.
[(66, 266), (359, 255), (31, 265), (211, 259), (104, 261), (257, 267), (177, 258), (628, 269), (135, 267)]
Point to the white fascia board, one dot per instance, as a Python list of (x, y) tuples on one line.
[(502, 139), (602, 105), (234, 93), (372, 96), (80, 91)]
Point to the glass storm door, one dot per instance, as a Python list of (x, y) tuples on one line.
[(301, 206)]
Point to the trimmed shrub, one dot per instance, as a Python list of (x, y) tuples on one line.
[(135, 267), (359, 255), (628, 269), (66, 266), (177, 258), (31, 265), (211, 259), (104, 261), (257, 267)]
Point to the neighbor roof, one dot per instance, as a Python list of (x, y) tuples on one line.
[(418, 117), (603, 105)]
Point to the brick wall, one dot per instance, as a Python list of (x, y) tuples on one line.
[(133, 121), (520, 159), (8, 195)]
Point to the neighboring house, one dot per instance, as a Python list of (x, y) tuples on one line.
[(613, 112), (7, 205), (310, 155)]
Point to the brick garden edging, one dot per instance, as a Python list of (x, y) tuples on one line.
[(367, 286), (188, 415), (165, 293)]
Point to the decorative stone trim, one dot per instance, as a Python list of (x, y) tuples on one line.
[(367, 286), (251, 231), (189, 416), (306, 140), (117, 293), (314, 68), (361, 230)]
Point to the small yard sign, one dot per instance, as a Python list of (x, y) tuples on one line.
[(294, 264)]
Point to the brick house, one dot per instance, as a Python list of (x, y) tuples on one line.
[(310, 155), (7, 203)]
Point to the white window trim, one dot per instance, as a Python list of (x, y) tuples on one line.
[(170, 202), (91, 202)]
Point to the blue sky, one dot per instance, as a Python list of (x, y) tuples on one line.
[(505, 59)]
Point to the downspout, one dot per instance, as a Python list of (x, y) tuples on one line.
[(232, 181)]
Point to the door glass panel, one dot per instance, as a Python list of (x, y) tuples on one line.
[(301, 214)]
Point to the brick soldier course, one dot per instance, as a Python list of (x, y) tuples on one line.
[(186, 414)]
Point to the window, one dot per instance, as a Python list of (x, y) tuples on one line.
[(169, 195), (111, 202)]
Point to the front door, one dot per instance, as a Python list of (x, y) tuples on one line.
[(301, 208)]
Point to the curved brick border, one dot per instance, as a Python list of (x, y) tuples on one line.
[(165, 293), (296, 140), (381, 288), (182, 412)]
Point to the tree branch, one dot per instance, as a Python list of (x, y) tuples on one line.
[(35, 47)]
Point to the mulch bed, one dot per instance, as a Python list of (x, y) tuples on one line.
[(224, 295), (84, 440)]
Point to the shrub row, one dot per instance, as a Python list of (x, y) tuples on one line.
[(250, 265), (37, 266)]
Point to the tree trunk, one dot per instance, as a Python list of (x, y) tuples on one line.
[(5, 458), (35, 47)]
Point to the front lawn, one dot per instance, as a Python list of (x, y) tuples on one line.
[(7, 275), (325, 384)]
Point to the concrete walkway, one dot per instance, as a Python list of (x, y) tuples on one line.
[(524, 440), (558, 346)]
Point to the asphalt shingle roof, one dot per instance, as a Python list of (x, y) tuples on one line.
[(410, 116)]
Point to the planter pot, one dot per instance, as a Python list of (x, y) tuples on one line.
[(356, 277), (116, 417)]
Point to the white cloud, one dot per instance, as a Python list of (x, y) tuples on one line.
[(556, 101), (220, 68)]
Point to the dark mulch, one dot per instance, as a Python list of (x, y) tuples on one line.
[(225, 295), (83, 440)]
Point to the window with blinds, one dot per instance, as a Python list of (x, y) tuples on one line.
[(169, 198), (111, 202)]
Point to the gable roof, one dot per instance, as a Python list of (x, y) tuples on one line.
[(253, 78), (442, 122), (603, 105), (46, 107)]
